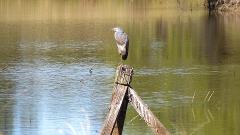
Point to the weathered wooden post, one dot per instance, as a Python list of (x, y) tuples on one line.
[(122, 95), (116, 116), (146, 114)]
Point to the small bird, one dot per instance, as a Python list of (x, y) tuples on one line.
[(122, 42)]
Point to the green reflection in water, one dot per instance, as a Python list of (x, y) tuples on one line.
[(47, 48)]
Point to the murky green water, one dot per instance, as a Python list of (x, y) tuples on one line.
[(48, 47)]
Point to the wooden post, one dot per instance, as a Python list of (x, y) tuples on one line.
[(143, 110), (116, 116), (123, 77), (118, 128), (122, 95)]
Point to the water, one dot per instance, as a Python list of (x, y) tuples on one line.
[(186, 63)]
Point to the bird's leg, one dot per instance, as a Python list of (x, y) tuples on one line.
[(120, 63)]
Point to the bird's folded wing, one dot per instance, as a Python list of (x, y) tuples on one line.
[(121, 38)]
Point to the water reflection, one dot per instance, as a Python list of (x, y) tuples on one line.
[(46, 54), (51, 99)]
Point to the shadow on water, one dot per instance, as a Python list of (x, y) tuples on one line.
[(47, 53)]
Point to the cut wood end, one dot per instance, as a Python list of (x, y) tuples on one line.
[(124, 74)]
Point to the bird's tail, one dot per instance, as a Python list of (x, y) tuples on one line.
[(124, 57)]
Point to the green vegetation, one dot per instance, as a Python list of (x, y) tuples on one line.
[(224, 5)]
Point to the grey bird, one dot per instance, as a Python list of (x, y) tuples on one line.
[(122, 42)]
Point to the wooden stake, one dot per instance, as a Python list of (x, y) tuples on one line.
[(116, 116), (143, 110), (122, 95)]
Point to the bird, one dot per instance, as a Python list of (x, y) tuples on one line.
[(122, 42)]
